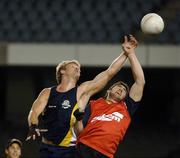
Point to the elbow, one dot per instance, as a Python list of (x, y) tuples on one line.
[(141, 82)]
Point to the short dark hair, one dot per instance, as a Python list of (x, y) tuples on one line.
[(12, 141), (116, 84), (120, 83)]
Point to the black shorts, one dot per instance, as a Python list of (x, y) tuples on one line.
[(50, 151), (84, 151)]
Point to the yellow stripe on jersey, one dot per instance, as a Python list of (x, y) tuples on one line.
[(70, 135)]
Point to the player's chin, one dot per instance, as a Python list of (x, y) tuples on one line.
[(15, 155), (77, 77), (118, 99)]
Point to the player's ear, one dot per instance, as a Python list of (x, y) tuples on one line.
[(62, 71), (108, 91), (6, 151)]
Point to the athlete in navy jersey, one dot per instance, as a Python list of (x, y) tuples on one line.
[(58, 112), (57, 105)]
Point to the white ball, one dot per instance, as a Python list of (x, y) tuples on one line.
[(152, 24)]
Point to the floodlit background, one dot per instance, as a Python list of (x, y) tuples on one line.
[(35, 35)]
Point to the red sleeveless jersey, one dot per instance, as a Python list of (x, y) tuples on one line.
[(106, 126)]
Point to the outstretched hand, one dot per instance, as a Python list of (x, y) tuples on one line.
[(129, 44), (133, 41), (34, 132)]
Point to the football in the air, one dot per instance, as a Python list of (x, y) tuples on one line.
[(152, 23)]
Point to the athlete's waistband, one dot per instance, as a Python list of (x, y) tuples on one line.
[(48, 142)]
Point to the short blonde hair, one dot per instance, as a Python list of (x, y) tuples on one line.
[(62, 66)]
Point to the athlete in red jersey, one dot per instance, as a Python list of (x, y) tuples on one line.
[(110, 117)]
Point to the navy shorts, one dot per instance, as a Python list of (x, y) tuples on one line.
[(51, 151), (84, 151)]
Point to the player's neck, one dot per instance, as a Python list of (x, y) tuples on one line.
[(110, 100), (66, 85)]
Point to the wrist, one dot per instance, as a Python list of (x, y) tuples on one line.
[(79, 114), (125, 54), (130, 54)]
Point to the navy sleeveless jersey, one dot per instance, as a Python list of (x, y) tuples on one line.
[(58, 117)]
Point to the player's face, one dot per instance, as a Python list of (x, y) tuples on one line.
[(14, 151), (118, 93), (73, 70)]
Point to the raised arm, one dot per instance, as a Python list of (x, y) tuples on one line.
[(91, 87), (100, 81), (87, 89), (136, 90)]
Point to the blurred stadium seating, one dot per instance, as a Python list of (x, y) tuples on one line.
[(86, 21)]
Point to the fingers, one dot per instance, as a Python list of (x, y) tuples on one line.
[(133, 41), (130, 38), (126, 42), (35, 134), (28, 138), (130, 43), (38, 132), (125, 39), (43, 130), (33, 137), (126, 48)]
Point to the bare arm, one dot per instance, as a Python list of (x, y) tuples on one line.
[(95, 85), (136, 90), (78, 127), (91, 87), (38, 106), (82, 102)]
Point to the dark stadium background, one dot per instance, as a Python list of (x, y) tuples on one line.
[(155, 128)]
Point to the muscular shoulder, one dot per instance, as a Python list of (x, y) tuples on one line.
[(81, 89), (45, 92)]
